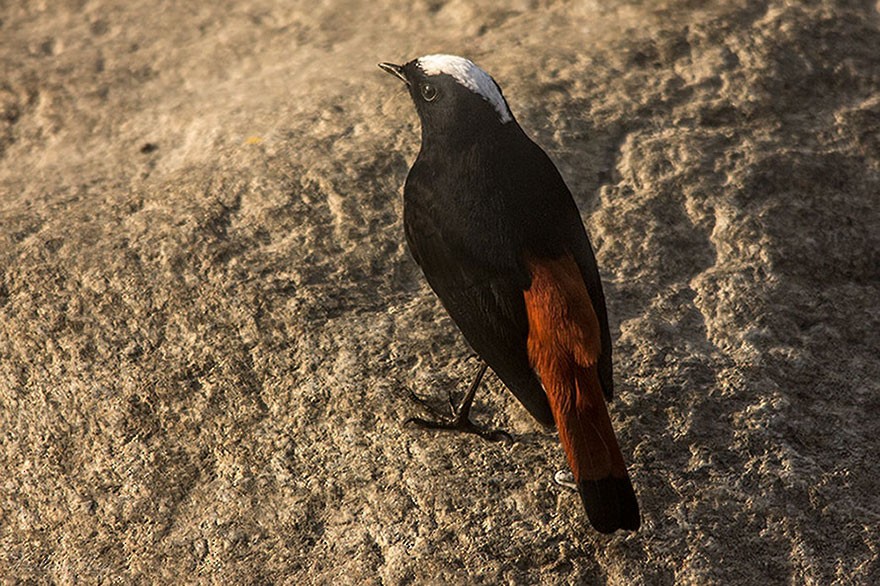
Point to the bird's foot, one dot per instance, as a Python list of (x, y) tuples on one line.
[(460, 422), (463, 425), (565, 478)]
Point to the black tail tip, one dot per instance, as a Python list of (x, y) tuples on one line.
[(611, 504)]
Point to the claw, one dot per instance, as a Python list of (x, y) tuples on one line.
[(462, 425), (452, 406), (566, 479), (460, 420)]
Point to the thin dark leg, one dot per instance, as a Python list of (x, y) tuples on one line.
[(460, 420)]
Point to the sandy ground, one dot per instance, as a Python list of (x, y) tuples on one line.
[(210, 325)]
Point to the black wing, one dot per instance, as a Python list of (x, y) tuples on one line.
[(480, 286), (562, 230)]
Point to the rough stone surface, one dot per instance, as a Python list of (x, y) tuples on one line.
[(210, 325)]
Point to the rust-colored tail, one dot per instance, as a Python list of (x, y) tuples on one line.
[(563, 346)]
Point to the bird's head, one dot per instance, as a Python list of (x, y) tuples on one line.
[(454, 98)]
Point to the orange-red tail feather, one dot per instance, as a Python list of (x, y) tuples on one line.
[(564, 347)]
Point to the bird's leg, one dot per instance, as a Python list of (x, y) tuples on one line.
[(460, 420)]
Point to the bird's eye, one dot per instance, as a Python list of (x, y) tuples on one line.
[(429, 92)]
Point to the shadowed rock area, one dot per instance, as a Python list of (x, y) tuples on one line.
[(210, 325)]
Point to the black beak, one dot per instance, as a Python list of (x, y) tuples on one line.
[(395, 70)]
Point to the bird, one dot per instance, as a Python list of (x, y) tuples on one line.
[(497, 234)]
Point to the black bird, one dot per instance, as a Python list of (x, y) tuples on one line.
[(500, 240)]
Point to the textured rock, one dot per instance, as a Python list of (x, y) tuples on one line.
[(209, 324)]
